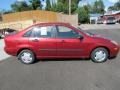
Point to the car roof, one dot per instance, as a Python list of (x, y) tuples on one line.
[(51, 23), (47, 24)]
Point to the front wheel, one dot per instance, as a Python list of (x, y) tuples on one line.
[(99, 55), (26, 57)]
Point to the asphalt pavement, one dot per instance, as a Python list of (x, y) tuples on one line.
[(62, 74), (3, 55), (100, 26)]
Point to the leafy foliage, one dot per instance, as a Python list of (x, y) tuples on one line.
[(98, 7), (48, 5), (83, 14), (115, 7), (35, 4), (59, 7), (19, 6), (63, 6)]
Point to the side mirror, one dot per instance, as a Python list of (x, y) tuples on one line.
[(80, 37)]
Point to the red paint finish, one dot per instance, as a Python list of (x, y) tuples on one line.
[(45, 47), (58, 47)]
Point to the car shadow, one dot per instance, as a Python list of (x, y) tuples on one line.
[(12, 58), (52, 59), (61, 59)]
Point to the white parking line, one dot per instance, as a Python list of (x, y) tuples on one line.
[(3, 55)]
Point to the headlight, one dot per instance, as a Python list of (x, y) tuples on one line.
[(114, 42)]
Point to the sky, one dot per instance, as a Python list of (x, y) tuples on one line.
[(5, 4)]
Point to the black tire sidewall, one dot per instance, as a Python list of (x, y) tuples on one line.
[(29, 51), (93, 54)]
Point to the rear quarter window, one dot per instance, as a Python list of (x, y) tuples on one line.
[(28, 34)]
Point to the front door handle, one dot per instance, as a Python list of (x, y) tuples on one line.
[(34, 39)]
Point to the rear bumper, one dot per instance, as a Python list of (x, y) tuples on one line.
[(10, 51)]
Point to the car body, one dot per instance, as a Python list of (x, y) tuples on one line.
[(58, 40)]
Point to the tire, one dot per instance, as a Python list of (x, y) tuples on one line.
[(26, 56), (99, 55)]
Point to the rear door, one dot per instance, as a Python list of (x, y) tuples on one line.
[(42, 41)]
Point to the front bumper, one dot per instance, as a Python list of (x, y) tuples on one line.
[(114, 51)]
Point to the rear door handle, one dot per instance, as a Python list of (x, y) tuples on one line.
[(35, 40)]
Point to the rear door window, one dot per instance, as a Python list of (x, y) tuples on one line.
[(41, 32), (44, 32)]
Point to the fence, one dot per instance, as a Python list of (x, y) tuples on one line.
[(22, 20)]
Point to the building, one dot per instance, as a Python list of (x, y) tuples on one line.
[(115, 14), (94, 18)]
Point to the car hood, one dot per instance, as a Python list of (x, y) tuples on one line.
[(101, 37)]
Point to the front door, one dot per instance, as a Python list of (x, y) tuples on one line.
[(68, 43)]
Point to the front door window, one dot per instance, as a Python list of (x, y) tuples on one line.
[(65, 32)]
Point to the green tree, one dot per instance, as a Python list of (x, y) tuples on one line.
[(1, 13), (62, 6), (74, 6), (7, 11), (48, 5), (115, 7), (111, 8), (66, 1), (59, 7), (62, 1), (76, 1), (20, 6), (98, 7), (83, 16), (35, 4)]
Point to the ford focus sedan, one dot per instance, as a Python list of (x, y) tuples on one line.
[(58, 40)]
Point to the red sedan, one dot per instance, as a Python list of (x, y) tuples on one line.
[(58, 40)]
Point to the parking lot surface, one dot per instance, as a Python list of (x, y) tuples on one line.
[(62, 74), (3, 55), (100, 26)]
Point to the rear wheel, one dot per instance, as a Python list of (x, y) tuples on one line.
[(99, 55), (26, 56)]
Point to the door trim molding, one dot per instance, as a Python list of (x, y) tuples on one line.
[(66, 50)]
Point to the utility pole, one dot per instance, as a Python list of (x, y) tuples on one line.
[(69, 7)]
